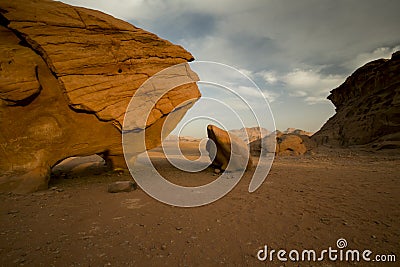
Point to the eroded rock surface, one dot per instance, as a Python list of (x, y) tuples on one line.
[(367, 108), (231, 153), (290, 145), (294, 143), (67, 75)]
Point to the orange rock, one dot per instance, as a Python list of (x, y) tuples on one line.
[(290, 144), (67, 76)]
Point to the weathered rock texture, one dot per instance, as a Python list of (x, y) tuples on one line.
[(231, 153), (367, 108), (290, 144), (67, 75), (294, 143)]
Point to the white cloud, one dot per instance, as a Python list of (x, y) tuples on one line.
[(246, 72), (271, 96), (298, 93), (310, 85), (255, 93), (269, 76), (311, 100), (311, 81), (363, 58)]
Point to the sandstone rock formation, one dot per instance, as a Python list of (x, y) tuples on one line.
[(367, 108), (267, 144), (290, 144), (231, 153), (67, 75)]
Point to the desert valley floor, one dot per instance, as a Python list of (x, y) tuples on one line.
[(306, 202)]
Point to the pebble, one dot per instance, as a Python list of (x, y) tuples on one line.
[(19, 260), (12, 211), (325, 220), (121, 186)]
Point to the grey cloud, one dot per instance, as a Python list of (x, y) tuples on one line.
[(328, 38), (183, 26), (268, 34)]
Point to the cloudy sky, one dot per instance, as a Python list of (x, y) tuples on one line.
[(295, 51)]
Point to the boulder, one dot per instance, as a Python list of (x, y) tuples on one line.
[(230, 153), (66, 78), (367, 108), (267, 144), (290, 145), (283, 144)]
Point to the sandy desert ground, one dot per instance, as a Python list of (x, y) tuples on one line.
[(306, 202)]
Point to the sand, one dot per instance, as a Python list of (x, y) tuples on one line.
[(306, 202)]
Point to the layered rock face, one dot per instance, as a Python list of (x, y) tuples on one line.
[(367, 108), (66, 78)]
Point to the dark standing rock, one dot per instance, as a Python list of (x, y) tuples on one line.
[(230, 149), (367, 108)]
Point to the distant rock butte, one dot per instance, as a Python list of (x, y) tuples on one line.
[(367, 108), (297, 131), (250, 134), (67, 75)]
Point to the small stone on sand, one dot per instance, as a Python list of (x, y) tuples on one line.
[(121, 186)]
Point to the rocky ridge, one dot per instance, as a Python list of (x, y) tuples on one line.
[(367, 108)]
